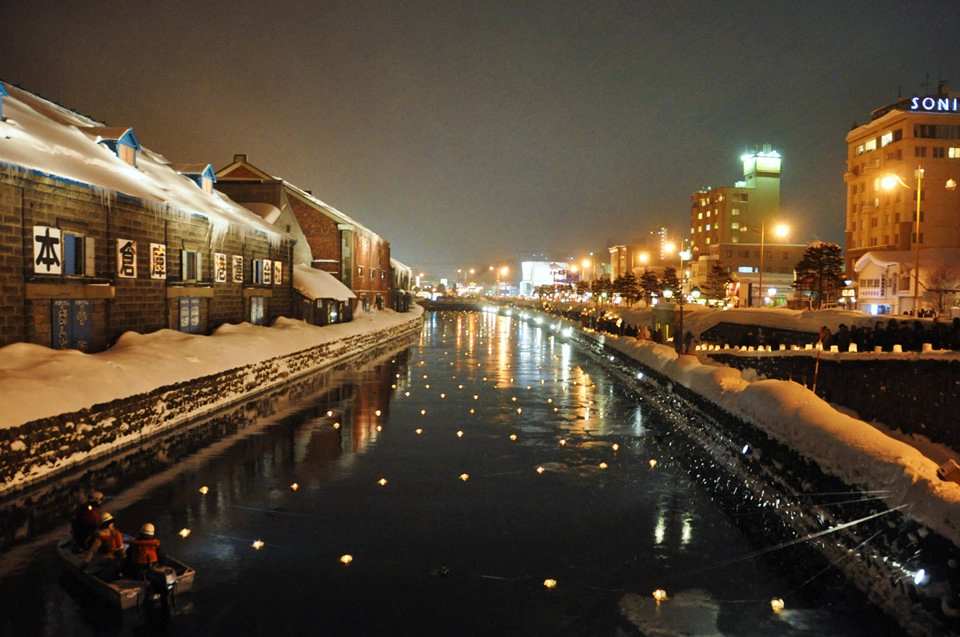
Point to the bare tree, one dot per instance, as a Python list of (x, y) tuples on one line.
[(942, 286)]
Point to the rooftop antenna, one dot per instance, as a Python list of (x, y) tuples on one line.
[(926, 84)]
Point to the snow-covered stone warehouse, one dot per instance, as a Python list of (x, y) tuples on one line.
[(101, 236)]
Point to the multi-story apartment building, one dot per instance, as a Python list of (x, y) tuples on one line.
[(726, 225), (902, 170)]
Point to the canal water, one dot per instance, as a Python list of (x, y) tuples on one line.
[(488, 480)]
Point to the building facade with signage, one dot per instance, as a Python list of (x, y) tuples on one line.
[(887, 192), (102, 236)]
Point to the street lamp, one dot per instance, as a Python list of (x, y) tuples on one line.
[(888, 182), (781, 231)]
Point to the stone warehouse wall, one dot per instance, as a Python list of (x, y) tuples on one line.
[(917, 395), (46, 447)]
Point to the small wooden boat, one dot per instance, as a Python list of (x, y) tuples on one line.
[(171, 577)]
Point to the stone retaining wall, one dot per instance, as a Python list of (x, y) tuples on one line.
[(916, 395), (43, 448)]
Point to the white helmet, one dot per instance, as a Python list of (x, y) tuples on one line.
[(106, 517), (147, 529)]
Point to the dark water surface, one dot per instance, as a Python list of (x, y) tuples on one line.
[(468, 525)]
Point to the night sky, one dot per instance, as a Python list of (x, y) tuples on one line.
[(470, 133)]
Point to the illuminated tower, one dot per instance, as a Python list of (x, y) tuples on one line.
[(732, 214)]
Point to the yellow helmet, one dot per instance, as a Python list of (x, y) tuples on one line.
[(106, 517), (147, 529)]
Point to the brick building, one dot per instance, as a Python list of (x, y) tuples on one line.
[(327, 239), (100, 236)]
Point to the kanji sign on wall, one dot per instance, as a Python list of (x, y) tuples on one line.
[(277, 272), (220, 267), (47, 250), (237, 269), (126, 259), (158, 261)]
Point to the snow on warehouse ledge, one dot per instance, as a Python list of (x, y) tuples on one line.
[(37, 382)]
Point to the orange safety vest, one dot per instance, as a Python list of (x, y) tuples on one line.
[(144, 551), (111, 541)]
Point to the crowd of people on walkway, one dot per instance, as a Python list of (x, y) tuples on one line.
[(910, 336)]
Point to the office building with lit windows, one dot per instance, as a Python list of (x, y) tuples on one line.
[(884, 186), (725, 227)]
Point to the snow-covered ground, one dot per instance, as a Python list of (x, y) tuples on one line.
[(38, 382)]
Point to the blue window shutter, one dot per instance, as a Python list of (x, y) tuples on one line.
[(70, 254)]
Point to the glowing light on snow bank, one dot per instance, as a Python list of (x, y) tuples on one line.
[(776, 604)]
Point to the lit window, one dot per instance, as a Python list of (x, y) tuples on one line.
[(735, 225), (953, 153)]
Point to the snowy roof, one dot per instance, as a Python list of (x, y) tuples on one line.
[(317, 284), (203, 170), (242, 169), (930, 258), (266, 211), (38, 135)]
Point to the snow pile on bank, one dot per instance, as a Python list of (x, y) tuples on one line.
[(39, 382), (841, 445)]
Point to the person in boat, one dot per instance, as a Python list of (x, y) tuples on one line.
[(86, 521), (107, 548), (144, 551)]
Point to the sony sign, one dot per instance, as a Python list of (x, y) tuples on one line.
[(935, 104)]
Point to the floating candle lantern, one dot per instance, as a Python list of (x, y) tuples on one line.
[(550, 583), (258, 544), (294, 486), (204, 490), (184, 532), (346, 559)]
